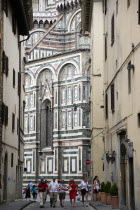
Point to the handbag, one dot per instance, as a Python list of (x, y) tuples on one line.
[(83, 191)]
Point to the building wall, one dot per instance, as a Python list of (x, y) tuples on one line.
[(97, 103), (124, 118), (12, 146)]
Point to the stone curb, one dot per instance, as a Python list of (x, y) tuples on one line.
[(93, 206), (26, 205)]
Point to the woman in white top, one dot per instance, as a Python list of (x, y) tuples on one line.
[(84, 190), (97, 188)]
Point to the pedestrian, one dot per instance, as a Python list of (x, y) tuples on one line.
[(27, 192), (47, 190), (34, 192), (42, 192), (72, 192), (84, 190), (31, 185), (97, 188), (62, 192), (53, 189)]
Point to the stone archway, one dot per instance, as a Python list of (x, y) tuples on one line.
[(5, 176)]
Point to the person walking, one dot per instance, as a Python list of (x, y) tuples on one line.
[(34, 192), (42, 192), (53, 189), (27, 192), (84, 190), (97, 188), (31, 185), (62, 192), (72, 192), (47, 190)]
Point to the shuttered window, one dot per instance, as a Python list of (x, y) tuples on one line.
[(3, 62), (19, 83), (105, 6), (128, 3), (14, 24), (17, 126), (5, 6), (14, 78), (7, 65), (13, 122), (112, 98), (12, 159), (112, 30), (139, 12), (105, 48), (106, 106), (4, 115)]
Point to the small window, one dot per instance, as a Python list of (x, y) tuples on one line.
[(112, 30), (128, 3), (112, 98), (139, 120), (14, 24), (12, 159), (13, 122), (14, 78)]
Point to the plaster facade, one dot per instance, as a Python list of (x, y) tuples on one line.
[(57, 94), (11, 102), (122, 99)]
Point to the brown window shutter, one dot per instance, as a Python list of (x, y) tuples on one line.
[(7, 65), (105, 48), (112, 31), (3, 62), (14, 24), (112, 98), (13, 122), (106, 106), (19, 83), (2, 113), (6, 115), (14, 78)]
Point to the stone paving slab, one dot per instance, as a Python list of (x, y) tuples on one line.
[(101, 206), (15, 205)]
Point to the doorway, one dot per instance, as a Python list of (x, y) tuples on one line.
[(5, 176), (131, 183)]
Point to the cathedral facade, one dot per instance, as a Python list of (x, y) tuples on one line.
[(57, 93)]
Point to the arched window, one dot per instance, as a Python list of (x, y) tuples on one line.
[(67, 72)]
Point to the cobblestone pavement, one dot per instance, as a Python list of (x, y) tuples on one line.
[(79, 206)]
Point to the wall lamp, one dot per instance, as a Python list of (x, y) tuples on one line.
[(130, 66), (111, 156)]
